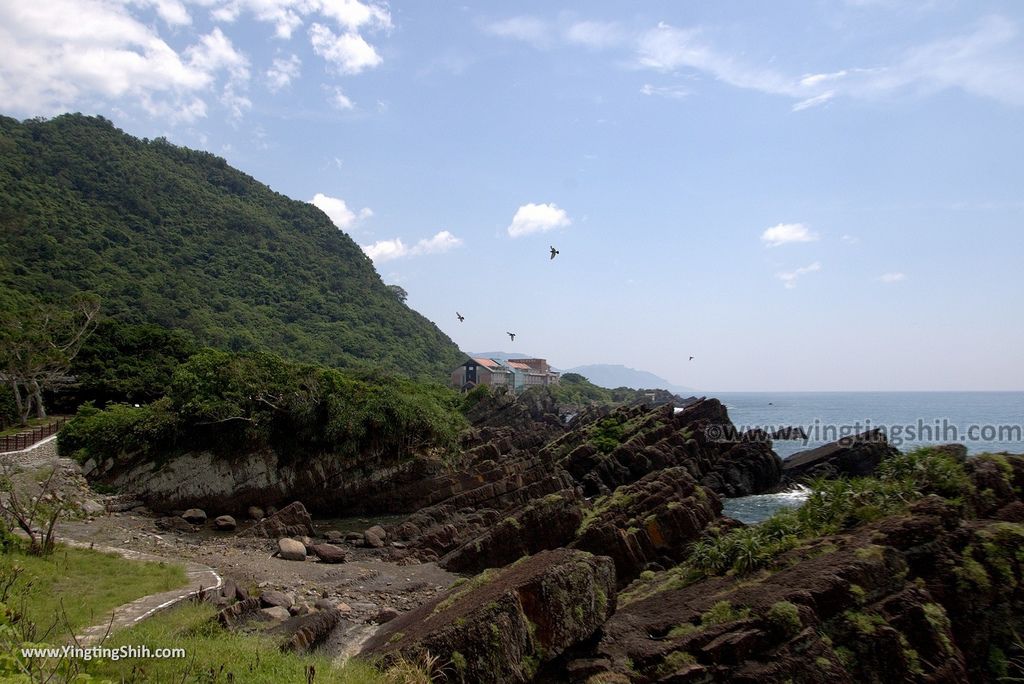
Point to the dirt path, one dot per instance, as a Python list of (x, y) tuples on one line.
[(200, 578)]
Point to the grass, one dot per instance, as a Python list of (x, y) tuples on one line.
[(88, 584), (32, 423), (215, 654)]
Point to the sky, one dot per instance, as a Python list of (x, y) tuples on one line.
[(814, 195)]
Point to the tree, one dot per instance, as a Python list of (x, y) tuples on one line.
[(37, 345), (398, 292)]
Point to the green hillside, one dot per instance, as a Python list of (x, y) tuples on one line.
[(175, 237)]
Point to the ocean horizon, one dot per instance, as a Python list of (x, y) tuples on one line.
[(984, 421)]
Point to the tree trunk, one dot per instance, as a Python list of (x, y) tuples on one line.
[(23, 403), (37, 395)]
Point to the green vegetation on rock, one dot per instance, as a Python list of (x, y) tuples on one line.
[(177, 238), (232, 402)]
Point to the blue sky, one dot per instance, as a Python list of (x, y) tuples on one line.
[(802, 195)]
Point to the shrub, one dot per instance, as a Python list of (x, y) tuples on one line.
[(784, 617), (235, 402), (723, 612)]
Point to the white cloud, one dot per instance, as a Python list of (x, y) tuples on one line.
[(282, 72), (850, 239), (338, 211), (61, 54), (348, 52), (338, 99), (786, 233), (527, 29), (670, 92), (595, 34), (537, 218), (171, 11), (667, 48), (386, 250), (288, 15), (894, 277), (984, 61), (814, 101), (789, 278), (438, 244)]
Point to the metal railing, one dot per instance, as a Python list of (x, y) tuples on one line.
[(27, 438)]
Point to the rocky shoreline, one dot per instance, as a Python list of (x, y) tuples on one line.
[(577, 539)]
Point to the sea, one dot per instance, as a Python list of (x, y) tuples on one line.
[(982, 421)]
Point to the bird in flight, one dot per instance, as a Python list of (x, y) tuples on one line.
[(460, 316), (554, 252), (691, 358), (512, 335)]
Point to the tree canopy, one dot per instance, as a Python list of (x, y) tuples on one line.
[(176, 238)]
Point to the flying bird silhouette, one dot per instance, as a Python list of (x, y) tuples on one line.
[(554, 252), (512, 335), (460, 316), (691, 358)]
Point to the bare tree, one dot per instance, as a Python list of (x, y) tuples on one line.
[(36, 516), (37, 346)]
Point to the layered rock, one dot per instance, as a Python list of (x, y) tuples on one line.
[(650, 522), (291, 521), (547, 523), (493, 509), (931, 595), (504, 625), (854, 456)]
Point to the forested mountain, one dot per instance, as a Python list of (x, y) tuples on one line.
[(175, 237)]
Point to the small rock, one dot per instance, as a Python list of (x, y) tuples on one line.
[(173, 524), (385, 615), (344, 607), (379, 531), (255, 512), (90, 507), (372, 539), (299, 609), (333, 536), (276, 613), (365, 608), (324, 604), (196, 516), (225, 523), (290, 549), (328, 553), (276, 599)]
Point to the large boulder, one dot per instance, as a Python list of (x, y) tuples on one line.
[(224, 523), (195, 516), (504, 624), (854, 456), (328, 553), (276, 599), (291, 549), (291, 521)]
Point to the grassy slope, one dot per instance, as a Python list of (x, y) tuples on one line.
[(88, 584), (176, 237)]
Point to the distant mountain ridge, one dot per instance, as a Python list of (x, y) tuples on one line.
[(177, 237), (616, 375)]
